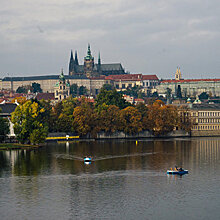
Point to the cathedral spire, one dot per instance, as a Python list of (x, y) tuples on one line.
[(89, 54), (71, 55), (76, 58)]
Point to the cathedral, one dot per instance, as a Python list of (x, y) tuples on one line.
[(91, 69)]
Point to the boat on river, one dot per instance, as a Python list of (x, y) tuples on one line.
[(177, 171), (87, 160)]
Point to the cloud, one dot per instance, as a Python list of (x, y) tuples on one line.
[(146, 36)]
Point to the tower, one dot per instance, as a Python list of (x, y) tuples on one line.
[(62, 88), (71, 64), (178, 74), (88, 63)]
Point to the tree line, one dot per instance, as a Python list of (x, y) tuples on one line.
[(110, 113)]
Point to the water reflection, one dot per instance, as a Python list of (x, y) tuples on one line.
[(67, 157), (126, 180)]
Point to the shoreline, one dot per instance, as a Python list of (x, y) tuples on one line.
[(17, 146)]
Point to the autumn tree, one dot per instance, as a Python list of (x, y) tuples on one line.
[(161, 118), (20, 100), (131, 120), (108, 118), (84, 121), (29, 122)]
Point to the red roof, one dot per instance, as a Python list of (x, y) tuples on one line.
[(189, 80), (149, 77), (45, 96)]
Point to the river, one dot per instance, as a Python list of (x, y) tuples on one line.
[(126, 180)]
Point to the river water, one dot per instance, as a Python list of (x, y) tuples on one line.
[(126, 180)]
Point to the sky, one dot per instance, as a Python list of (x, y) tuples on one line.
[(145, 36)]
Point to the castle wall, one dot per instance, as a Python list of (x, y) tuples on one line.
[(47, 85)]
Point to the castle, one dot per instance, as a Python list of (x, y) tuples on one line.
[(90, 68)]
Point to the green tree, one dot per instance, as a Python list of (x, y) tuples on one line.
[(21, 89), (74, 90), (111, 97), (36, 87), (108, 87), (4, 128), (82, 90), (134, 91), (203, 95), (29, 122)]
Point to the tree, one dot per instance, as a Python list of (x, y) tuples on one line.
[(161, 118), (36, 87), (168, 93), (178, 92), (134, 91), (82, 90), (108, 87), (20, 100), (131, 120), (84, 121), (4, 128), (74, 90), (111, 97), (203, 95), (108, 118), (21, 89), (29, 122)]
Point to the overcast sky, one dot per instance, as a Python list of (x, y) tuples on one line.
[(146, 36)]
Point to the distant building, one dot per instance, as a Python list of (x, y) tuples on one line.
[(206, 119), (122, 82), (92, 69), (189, 87)]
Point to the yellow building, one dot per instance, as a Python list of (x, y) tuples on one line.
[(206, 119)]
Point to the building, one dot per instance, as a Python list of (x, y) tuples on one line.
[(61, 88), (189, 87), (206, 119), (122, 82), (92, 69)]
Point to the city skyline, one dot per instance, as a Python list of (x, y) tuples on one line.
[(144, 36)]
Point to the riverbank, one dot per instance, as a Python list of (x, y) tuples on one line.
[(16, 146)]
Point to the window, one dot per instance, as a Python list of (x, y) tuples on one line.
[(117, 86), (123, 86)]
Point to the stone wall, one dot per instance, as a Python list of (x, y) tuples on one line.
[(205, 133), (47, 85)]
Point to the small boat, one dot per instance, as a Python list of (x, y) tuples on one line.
[(178, 172), (87, 159)]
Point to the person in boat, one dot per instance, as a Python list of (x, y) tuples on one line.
[(180, 169)]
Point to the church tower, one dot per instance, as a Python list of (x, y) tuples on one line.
[(71, 64), (62, 88), (89, 63), (178, 74)]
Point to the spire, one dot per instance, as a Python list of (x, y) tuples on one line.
[(76, 58), (89, 51), (99, 59), (62, 75), (89, 54), (71, 63), (71, 55)]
